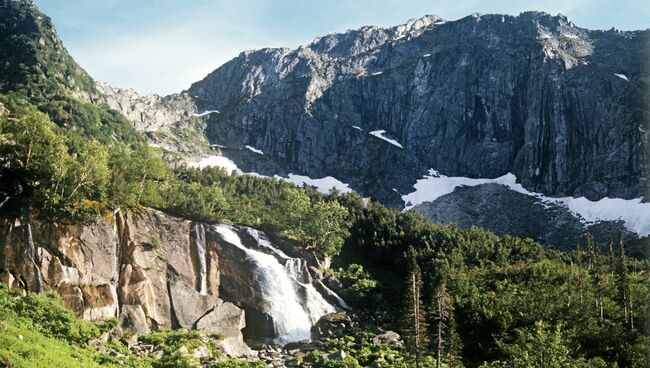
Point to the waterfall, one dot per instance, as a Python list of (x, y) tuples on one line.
[(5, 201), (296, 268), (31, 253), (199, 243), (293, 305)]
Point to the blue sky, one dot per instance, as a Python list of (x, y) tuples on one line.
[(162, 46)]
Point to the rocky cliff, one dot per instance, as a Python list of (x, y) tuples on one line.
[(151, 271), (559, 106)]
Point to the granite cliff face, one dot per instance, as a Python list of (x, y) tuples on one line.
[(559, 106), (151, 271), (171, 122)]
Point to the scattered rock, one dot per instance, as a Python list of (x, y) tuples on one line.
[(388, 338), (339, 355), (331, 325)]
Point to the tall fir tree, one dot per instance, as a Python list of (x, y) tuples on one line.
[(623, 285), (414, 325), (442, 309)]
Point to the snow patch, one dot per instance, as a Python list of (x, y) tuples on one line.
[(633, 212), (377, 73), (357, 128), (253, 149), (622, 76), (322, 185), (380, 134), (217, 161), (205, 113), (426, 55)]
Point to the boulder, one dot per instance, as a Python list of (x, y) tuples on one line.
[(331, 325), (226, 321), (338, 355), (133, 319), (8, 279), (189, 305), (387, 338)]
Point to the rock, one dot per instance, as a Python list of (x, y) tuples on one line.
[(506, 212), (7, 278), (188, 304), (226, 321), (457, 97), (202, 353), (339, 355), (133, 319), (387, 338), (331, 325), (101, 301), (183, 350), (158, 354)]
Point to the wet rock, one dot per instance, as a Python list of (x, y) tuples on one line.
[(331, 325)]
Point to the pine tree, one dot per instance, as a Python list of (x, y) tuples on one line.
[(599, 286), (623, 285), (611, 259), (414, 324), (591, 251), (442, 314)]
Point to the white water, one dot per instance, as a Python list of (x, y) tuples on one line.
[(294, 306), (31, 252), (5, 201), (199, 242)]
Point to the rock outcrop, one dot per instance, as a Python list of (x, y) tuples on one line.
[(171, 122), (141, 268), (559, 106), (153, 271), (506, 212)]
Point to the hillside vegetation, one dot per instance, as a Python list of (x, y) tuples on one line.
[(458, 297)]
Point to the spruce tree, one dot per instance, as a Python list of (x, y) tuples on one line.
[(623, 285), (441, 315), (414, 325)]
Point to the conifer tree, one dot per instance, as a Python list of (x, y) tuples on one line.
[(623, 286), (441, 315), (414, 323)]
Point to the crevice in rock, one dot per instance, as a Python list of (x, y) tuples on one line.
[(172, 275)]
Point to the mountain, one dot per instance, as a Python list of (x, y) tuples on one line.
[(558, 106), (113, 253), (34, 60)]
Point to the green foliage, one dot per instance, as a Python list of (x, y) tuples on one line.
[(170, 342), (37, 328), (359, 285), (47, 315), (235, 363)]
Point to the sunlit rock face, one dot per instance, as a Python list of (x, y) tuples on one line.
[(558, 106), (151, 271)]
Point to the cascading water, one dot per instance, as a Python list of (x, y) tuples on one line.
[(199, 243), (295, 267), (31, 253), (293, 314), (5, 201)]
